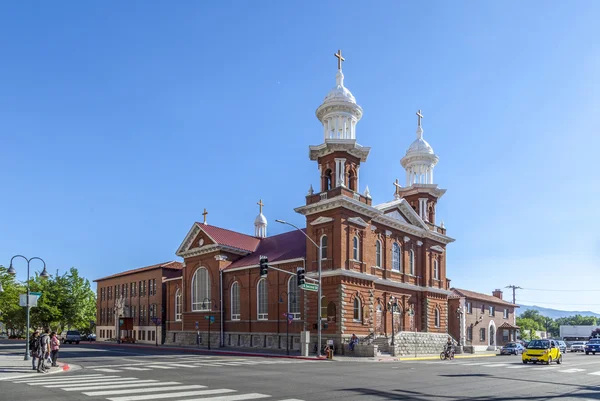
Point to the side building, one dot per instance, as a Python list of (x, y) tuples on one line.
[(481, 321), (127, 302)]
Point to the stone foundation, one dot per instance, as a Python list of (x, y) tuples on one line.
[(411, 343), (233, 340)]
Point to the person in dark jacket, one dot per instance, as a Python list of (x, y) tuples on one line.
[(34, 348)]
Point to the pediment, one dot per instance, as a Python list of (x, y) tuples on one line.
[(437, 248), (321, 220), (411, 215), (196, 238), (395, 214), (358, 221)]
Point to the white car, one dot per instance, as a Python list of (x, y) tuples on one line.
[(578, 346)]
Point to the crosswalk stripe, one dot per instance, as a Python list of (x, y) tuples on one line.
[(134, 368), (595, 373), (37, 379), (181, 365), (143, 390), (572, 370), (104, 383), (108, 370), (100, 379), (171, 395), (495, 365), (137, 383), (161, 367), (516, 367), (237, 397)]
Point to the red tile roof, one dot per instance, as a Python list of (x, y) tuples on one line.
[(507, 325), (286, 246), (230, 238), (482, 297), (172, 265)]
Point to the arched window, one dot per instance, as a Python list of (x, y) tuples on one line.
[(293, 298), (178, 305), (437, 317), (235, 301), (352, 180), (411, 262), (323, 308), (436, 270), (396, 257), (323, 247), (327, 180), (331, 312), (378, 253), (201, 290), (262, 300), (357, 310), (355, 246)]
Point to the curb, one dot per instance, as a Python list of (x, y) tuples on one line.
[(211, 351), (436, 357)]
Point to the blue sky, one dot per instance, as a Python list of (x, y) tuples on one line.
[(121, 121)]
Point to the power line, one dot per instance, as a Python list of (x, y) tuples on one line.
[(514, 288), (552, 290), (558, 303)]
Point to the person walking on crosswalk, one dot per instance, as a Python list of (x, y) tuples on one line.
[(34, 348), (44, 351)]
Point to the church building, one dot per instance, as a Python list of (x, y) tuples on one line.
[(383, 265)]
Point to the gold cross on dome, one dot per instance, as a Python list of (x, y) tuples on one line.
[(420, 116), (204, 214), (260, 204), (340, 59)]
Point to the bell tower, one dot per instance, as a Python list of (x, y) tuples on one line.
[(339, 156)]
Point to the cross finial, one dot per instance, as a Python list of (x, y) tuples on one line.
[(260, 204), (204, 214), (397, 192), (340, 59), (420, 116)]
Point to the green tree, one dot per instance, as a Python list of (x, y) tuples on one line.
[(528, 327), (11, 314)]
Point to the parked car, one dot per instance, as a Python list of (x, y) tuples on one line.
[(73, 336), (562, 346), (91, 337), (3, 336), (545, 351), (512, 349), (578, 346), (592, 346)]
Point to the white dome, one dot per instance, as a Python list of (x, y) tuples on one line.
[(339, 93), (420, 146), (260, 220)]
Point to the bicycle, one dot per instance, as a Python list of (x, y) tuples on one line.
[(447, 354)]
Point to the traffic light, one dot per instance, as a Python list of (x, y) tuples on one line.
[(264, 265), (301, 275)]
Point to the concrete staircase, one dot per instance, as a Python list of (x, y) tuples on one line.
[(383, 345)]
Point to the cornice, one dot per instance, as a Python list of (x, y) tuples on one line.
[(279, 262), (339, 145), (377, 280), (212, 248)]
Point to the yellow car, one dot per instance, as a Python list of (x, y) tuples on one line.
[(544, 351)]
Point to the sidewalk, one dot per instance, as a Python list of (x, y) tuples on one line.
[(14, 366)]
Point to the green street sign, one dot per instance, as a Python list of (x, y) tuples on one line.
[(310, 287), (39, 294)]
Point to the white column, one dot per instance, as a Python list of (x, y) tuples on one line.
[(431, 174), (357, 175), (342, 171)]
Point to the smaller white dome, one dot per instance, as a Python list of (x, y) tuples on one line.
[(260, 220), (420, 145), (339, 93)]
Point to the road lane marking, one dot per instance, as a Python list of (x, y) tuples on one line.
[(172, 395), (143, 390), (108, 370), (160, 367), (595, 373), (495, 365), (238, 397), (572, 370), (138, 383), (134, 368), (104, 382), (516, 367), (181, 365), (38, 379), (66, 382)]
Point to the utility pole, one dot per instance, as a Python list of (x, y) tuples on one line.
[(514, 300), (514, 288)]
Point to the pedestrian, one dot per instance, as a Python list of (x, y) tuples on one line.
[(353, 342), (44, 351), (34, 348), (54, 346)]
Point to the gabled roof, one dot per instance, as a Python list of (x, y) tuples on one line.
[(405, 210), (482, 297), (507, 325), (222, 236), (173, 265), (286, 246)]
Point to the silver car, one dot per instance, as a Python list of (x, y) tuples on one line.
[(578, 346)]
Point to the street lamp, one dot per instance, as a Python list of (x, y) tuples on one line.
[(320, 287), (393, 307), (44, 274)]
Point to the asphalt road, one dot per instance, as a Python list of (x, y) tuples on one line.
[(128, 374)]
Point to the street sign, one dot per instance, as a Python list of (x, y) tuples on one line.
[(211, 319), (156, 320), (310, 287), (32, 300), (197, 325), (39, 294)]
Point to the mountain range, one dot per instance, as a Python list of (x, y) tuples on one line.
[(555, 313)]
